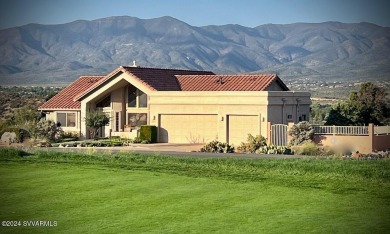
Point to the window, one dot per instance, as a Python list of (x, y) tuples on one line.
[(143, 99), (132, 96), (137, 119), (66, 119), (304, 117), (136, 98), (289, 116), (105, 102)]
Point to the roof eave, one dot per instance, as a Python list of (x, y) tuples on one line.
[(97, 84)]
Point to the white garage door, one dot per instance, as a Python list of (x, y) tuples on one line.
[(188, 128), (240, 126)]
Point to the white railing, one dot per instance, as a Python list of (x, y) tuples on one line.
[(341, 130), (382, 130)]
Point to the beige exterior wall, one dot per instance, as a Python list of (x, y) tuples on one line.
[(363, 144), (263, 106), (239, 126)]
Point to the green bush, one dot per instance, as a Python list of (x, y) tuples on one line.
[(70, 135), (301, 132), (252, 144), (273, 149), (148, 133), (217, 147)]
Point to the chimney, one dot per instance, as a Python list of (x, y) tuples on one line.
[(134, 64)]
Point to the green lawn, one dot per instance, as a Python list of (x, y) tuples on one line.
[(158, 194)]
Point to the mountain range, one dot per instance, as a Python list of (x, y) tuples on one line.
[(37, 54)]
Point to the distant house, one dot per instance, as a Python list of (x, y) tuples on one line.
[(186, 106)]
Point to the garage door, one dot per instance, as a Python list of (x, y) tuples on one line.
[(239, 126), (188, 128)]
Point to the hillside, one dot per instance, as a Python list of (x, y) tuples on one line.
[(58, 54)]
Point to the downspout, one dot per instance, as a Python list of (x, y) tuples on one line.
[(297, 109), (283, 114)]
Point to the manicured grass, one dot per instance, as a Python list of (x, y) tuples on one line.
[(130, 193)]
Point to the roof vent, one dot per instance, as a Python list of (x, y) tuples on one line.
[(220, 80)]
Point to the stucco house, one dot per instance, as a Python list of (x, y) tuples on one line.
[(186, 106)]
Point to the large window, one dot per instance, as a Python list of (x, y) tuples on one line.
[(137, 119), (105, 102), (132, 96), (66, 119), (143, 99), (136, 98)]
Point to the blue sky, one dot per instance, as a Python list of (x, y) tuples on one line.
[(249, 13)]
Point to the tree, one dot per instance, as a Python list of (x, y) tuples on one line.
[(318, 113), (95, 120), (26, 118), (369, 105)]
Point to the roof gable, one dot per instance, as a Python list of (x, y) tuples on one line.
[(156, 79), (229, 82), (64, 99)]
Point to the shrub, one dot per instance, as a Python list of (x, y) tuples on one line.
[(252, 144), (308, 148), (301, 132), (273, 149), (148, 133), (75, 135), (48, 130), (137, 140), (95, 120), (217, 147)]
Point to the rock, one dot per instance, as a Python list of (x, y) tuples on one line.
[(357, 155), (7, 136)]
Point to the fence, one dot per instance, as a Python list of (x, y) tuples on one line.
[(382, 130), (364, 139), (341, 130)]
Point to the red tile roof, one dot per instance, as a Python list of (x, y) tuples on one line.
[(228, 82), (157, 79), (64, 99), (162, 80)]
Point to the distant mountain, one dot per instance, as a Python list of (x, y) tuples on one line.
[(54, 54)]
